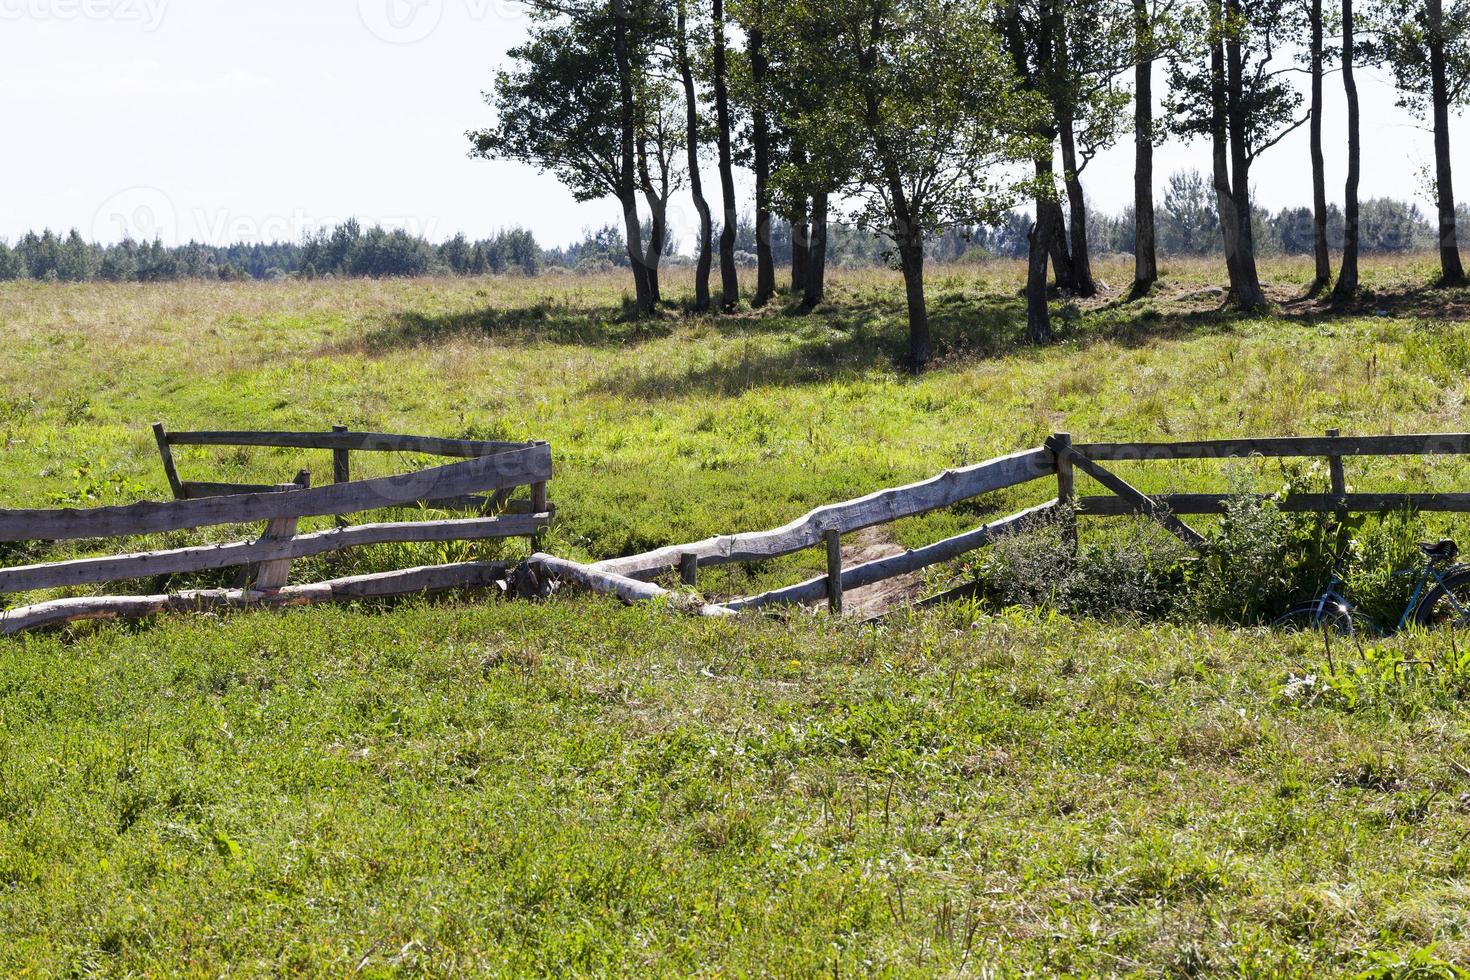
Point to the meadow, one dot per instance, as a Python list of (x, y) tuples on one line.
[(470, 786)]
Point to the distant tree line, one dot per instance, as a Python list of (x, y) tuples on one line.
[(347, 250), (1186, 224), (927, 120)]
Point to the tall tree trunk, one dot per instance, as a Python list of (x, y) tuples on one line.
[(1066, 115), (1061, 258), (1038, 313), (765, 277), (627, 181), (658, 224), (911, 258), (1145, 247), (1049, 215), (696, 183), (1347, 281), (1452, 273), (729, 277), (1220, 158), (1082, 280), (1249, 295), (801, 235), (816, 273), (1319, 167)]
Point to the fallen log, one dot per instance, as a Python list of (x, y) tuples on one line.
[(540, 569)]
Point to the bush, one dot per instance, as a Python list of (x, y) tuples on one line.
[(1137, 570), (1260, 562)]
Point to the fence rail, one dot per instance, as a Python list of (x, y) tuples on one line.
[(523, 467), (1059, 459), (486, 478), (498, 468)]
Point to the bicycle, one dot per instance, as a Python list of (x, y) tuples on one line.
[(1441, 598)]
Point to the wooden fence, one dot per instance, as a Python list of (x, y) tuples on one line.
[(497, 469), (1059, 459), (485, 481)]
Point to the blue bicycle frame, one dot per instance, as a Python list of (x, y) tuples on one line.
[(1426, 578)]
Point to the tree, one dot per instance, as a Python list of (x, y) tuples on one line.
[(1190, 222), (1145, 237), (922, 97), (1316, 59), (808, 171), (729, 277), (567, 108), (1428, 50), (1347, 280), (756, 92), (1030, 31), (705, 246), (658, 141), (1229, 88), (1094, 45)]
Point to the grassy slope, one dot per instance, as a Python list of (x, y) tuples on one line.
[(583, 787)]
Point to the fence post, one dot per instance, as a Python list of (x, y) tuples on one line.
[(834, 571), (341, 468), (169, 469), (1339, 479), (1066, 487), (689, 569), (275, 575), (538, 506)]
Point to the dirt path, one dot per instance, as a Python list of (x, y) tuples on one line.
[(868, 545)]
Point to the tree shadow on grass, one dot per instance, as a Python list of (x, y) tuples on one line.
[(543, 322), (866, 335)]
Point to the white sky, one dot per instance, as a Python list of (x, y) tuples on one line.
[(224, 120)]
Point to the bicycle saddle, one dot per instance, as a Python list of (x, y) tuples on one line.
[(1440, 552)]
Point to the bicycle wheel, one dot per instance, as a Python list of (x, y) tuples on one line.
[(1335, 619), (1447, 605)]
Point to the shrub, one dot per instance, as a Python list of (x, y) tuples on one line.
[(1135, 571)]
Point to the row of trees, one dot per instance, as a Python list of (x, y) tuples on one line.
[(347, 250), (1187, 223), (915, 119)]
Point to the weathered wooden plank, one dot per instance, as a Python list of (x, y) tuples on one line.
[(417, 581), (273, 575), (1066, 486), (116, 568), (341, 459), (1142, 503), (160, 435), (341, 468), (1446, 444), (834, 572), (592, 578), (523, 467), (945, 490), (380, 442), (859, 576), (413, 581), (1303, 503), (194, 490), (1337, 473)]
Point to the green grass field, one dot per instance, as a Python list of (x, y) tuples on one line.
[(472, 786)]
